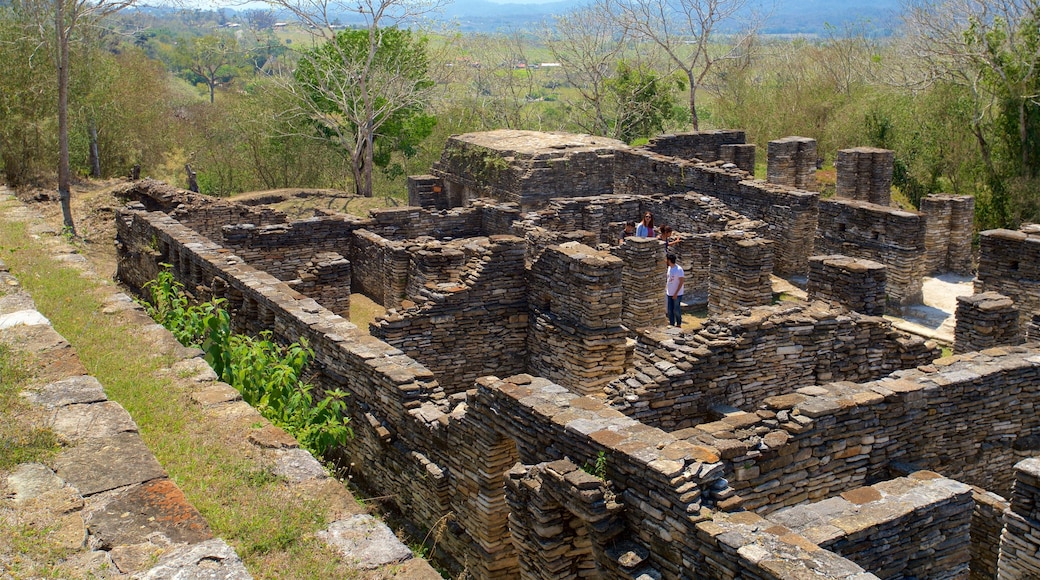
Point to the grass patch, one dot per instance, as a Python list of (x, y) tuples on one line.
[(19, 443), (270, 528)]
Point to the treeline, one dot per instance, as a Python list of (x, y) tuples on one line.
[(249, 102)]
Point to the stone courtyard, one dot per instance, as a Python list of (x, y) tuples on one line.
[(523, 385)]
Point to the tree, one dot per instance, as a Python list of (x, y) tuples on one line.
[(367, 90), (61, 20), (212, 58), (688, 33), (643, 102)]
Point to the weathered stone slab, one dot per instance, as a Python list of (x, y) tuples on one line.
[(96, 420), (156, 506), (297, 465), (70, 391), (210, 560), (31, 480), (23, 318), (366, 541), (97, 465)]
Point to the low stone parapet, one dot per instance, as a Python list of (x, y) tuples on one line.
[(984, 321), (857, 284)]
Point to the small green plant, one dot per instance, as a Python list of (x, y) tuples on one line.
[(598, 469)]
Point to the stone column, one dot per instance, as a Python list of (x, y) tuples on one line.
[(984, 321), (741, 155), (1020, 542), (948, 233), (791, 161), (741, 265), (865, 173), (856, 284), (642, 283)]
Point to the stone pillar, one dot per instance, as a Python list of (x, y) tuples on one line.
[(427, 191), (948, 232), (326, 278), (741, 155), (642, 283), (856, 284), (865, 173), (984, 321), (1033, 329), (791, 161), (741, 264), (1020, 542)]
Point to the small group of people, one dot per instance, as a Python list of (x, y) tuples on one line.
[(676, 277)]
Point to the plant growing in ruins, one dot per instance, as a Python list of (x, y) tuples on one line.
[(599, 468)]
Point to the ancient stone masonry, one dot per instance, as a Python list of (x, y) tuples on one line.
[(525, 167), (790, 215), (1009, 263), (865, 174), (742, 360), (642, 283), (426, 191), (984, 321), (470, 317), (576, 337), (987, 521), (728, 146), (741, 266), (791, 161), (1033, 329), (858, 285), (893, 237), (1020, 542), (948, 233), (327, 280)]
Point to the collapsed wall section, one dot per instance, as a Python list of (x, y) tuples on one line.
[(740, 361), (893, 237), (1009, 263), (790, 214), (467, 324)]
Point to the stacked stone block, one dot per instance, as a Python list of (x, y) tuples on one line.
[(856, 284), (984, 321), (987, 523), (791, 161), (909, 527), (1020, 542), (950, 221), (704, 146), (642, 283), (427, 191), (1009, 263), (1033, 329), (576, 337), (741, 266), (789, 215), (742, 360), (893, 237), (743, 156), (865, 174), (326, 279)]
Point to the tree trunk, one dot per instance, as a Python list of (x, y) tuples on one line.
[(64, 173), (1023, 136), (369, 161), (95, 159), (212, 89), (693, 100)]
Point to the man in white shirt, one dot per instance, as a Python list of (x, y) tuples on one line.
[(674, 290)]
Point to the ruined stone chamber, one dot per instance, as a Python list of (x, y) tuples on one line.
[(522, 398)]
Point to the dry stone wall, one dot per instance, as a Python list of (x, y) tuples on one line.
[(283, 250), (790, 215), (699, 145), (1009, 263), (865, 174), (893, 237), (858, 285), (642, 283), (740, 272), (427, 191), (469, 324), (791, 161), (1020, 542), (948, 233), (984, 321), (575, 336), (987, 522), (740, 361)]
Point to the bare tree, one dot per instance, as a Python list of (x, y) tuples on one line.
[(688, 33), (61, 21), (350, 94)]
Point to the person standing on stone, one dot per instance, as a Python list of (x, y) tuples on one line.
[(645, 229), (674, 290)]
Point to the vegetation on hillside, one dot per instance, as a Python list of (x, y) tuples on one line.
[(953, 93)]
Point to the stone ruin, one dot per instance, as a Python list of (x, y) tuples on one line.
[(523, 392)]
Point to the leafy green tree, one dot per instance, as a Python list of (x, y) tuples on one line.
[(363, 87), (644, 102), (213, 58)]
